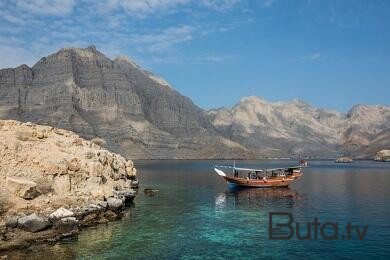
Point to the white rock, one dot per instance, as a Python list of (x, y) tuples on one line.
[(114, 203), (61, 213)]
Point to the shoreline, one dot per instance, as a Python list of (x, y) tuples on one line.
[(58, 228)]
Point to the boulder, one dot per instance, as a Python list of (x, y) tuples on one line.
[(114, 203), (32, 223), (61, 213), (69, 221), (11, 222), (66, 224), (22, 187)]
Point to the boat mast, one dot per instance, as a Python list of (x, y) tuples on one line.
[(234, 166)]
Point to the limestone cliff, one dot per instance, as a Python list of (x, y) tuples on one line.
[(43, 168), (137, 113)]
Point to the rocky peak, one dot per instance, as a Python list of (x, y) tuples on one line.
[(127, 62), (252, 99), (136, 112), (125, 59), (301, 125)]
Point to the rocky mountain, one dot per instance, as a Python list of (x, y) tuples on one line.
[(141, 116), (138, 114), (297, 129)]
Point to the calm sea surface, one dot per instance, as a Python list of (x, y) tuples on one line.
[(195, 215)]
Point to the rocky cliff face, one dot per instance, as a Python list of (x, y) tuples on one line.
[(142, 116), (137, 113), (298, 129), (52, 179), (46, 164)]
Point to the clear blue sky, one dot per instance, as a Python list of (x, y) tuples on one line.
[(330, 53)]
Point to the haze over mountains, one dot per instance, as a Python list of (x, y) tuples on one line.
[(142, 116)]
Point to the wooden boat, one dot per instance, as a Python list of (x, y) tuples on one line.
[(261, 178)]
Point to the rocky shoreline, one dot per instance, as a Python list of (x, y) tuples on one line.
[(54, 183), (23, 231)]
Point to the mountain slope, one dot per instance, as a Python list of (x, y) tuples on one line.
[(137, 114), (141, 116), (298, 129)]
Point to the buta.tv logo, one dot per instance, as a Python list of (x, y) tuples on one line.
[(283, 227)]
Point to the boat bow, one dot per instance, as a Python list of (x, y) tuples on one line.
[(220, 172)]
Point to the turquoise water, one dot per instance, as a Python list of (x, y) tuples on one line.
[(195, 215)]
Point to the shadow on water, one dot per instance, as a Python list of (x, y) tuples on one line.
[(257, 198), (262, 193)]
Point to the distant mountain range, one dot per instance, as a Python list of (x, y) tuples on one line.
[(141, 116), (297, 129)]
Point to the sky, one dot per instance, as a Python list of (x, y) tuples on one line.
[(330, 53)]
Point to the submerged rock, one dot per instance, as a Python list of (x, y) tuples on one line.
[(66, 224), (150, 192)]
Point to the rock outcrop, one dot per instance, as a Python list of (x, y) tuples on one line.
[(383, 156), (52, 180), (344, 159)]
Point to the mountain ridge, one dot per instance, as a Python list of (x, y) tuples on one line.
[(253, 118), (140, 115), (84, 91)]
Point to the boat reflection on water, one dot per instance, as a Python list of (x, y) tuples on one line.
[(255, 197)]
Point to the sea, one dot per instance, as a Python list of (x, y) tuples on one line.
[(194, 214)]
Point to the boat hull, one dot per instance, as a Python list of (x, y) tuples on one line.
[(265, 182), (270, 183)]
